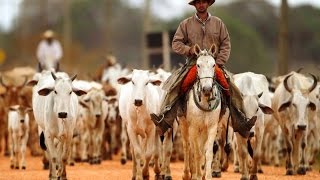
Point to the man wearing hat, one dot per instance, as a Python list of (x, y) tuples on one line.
[(49, 52), (204, 30)]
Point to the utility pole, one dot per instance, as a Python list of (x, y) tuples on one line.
[(108, 27), (283, 39), (145, 30)]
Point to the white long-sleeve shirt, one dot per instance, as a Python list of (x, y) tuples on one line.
[(49, 53)]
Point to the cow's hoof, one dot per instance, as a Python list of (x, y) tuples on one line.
[(12, 166), (17, 167), (244, 178), (236, 170), (168, 178), (309, 168), (216, 174), (45, 166), (98, 161), (260, 171), (7, 153), (158, 177), (253, 177), (146, 177), (23, 167), (72, 164), (289, 172), (277, 165), (301, 171), (123, 161), (84, 160)]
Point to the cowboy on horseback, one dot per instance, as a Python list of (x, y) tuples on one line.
[(202, 29)]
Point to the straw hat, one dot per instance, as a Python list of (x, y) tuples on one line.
[(48, 34), (210, 2)]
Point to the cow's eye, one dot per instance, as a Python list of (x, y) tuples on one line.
[(147, 83), (294, 105), (70, 92), (86, 100), (132, 82), (55, 92), (198, 66), (257, 110)]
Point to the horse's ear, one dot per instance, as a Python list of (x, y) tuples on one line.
[(213, 49), (197, 49)]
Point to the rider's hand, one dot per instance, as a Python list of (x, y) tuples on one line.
[(192, 51)]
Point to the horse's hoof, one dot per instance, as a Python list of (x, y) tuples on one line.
[(158, 177), (301, 171), (216, 174), (289, 172), (253, 177)]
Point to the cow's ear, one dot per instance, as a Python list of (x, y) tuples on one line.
[(79, 92), (265, 109), (155, 82), (124, 80), (28, 109), (45, 91), (312, 106), (12, 108), (32, 83), (284, 106)]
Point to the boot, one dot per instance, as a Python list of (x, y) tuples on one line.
[(240, 123), (161, 125)]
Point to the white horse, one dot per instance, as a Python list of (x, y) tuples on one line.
[(199, 127)]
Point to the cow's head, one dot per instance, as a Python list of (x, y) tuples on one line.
[(253, 107), (140, 81), (297, 104), (61, 92), (22, 114)]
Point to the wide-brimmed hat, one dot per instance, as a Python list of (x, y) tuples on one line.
[(48, 34), (209, 1)]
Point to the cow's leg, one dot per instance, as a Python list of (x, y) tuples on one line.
[(124, 140), (302, 159), (208, 150), (84, 142), (257, 153), (137, 153), (243, 156), (99, 144), (16, 150), (186, 147), (6, 141), (289, 166), (53, 157), (23, 150)]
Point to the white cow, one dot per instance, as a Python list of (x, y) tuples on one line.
[(291, 103), (139, 98), (55, 105), (257, 102), (18, 128)]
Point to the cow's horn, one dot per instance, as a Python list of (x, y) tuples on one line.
[(53, 76), (285, 83), (315, 82), (3, 84), (74, 77)]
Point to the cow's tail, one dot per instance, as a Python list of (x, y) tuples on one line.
[(250, 150), (42, 142)]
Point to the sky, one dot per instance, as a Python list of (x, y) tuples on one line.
[(165, 9)]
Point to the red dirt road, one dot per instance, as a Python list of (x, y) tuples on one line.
[(113, 170)]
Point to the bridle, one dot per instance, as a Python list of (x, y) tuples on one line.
[(215, 98)]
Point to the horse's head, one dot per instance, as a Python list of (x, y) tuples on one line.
[(205, 69)]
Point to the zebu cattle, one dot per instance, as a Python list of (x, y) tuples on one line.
[(199, 128), (291, 103), (95, 101), (257, 102), (313, 129), (139, 98), (18, 128), (55, 107)]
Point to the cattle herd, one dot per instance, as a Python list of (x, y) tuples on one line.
[(68, 120)]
